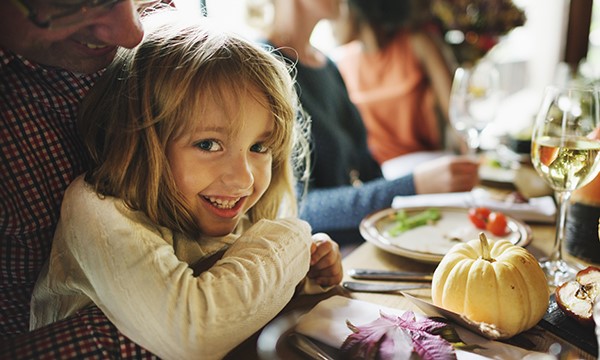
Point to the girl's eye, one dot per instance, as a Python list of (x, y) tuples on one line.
[(259, 148), (208, 145)]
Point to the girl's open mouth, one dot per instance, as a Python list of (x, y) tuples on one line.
[(222, 203)]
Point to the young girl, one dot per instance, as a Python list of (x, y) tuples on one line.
[(191, 134)]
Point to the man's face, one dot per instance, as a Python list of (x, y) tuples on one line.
[(85, 47)]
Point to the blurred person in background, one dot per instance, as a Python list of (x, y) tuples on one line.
[(398, 72), (346, 182)]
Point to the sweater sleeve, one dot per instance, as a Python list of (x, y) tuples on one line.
[(132, 274), (343, 207)]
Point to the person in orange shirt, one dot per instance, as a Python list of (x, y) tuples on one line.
[(397, 74), (345, 183)]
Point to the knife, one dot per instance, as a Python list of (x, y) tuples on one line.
[(380, 288), (487, 330), (368, 274)]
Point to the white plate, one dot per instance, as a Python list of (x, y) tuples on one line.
[(430, 243)]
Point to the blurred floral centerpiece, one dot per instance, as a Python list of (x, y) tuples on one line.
[(473, 27)]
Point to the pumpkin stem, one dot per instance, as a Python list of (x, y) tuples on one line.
[(485, 247)]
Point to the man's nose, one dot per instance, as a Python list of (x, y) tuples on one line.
[(121, 26)]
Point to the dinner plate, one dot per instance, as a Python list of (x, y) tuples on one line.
[(429, 243)]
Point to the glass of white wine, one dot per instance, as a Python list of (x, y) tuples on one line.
[(565, 151), (474, 100)]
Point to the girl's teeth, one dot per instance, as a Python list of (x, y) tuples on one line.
[(222, 203)]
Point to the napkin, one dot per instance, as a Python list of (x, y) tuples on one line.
[(540, 209), (326, 322)]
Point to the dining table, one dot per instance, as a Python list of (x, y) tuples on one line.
[(574, 342), (369, 256)]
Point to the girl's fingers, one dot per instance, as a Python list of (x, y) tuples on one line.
[(333, 269), (328, 280), (313, 248), (325, 261), (320, 237), (323, 249)]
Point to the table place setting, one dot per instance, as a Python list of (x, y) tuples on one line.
[(554, 333), (458, 267), (326, 323), (538, 209), (429, 240)]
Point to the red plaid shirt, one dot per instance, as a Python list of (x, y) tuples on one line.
[(41, 153)]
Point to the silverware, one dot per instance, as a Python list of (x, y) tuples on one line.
[(308, 347), (488, 330), (369, 274), (381, 288)]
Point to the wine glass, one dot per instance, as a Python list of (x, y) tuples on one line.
[(474, 101), (565, 151)]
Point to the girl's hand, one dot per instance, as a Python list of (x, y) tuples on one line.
[(325, 261)]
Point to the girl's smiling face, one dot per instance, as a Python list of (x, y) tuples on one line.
[(222, 167)]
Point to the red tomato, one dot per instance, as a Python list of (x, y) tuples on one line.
[(479, 217), (497, 223)]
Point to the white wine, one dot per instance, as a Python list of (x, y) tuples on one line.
[(565, 152), (566, 164)]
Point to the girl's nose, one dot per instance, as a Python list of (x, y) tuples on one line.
[(121, 26), (239, 173)]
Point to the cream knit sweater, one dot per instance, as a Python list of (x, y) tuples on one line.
[(138, 274)]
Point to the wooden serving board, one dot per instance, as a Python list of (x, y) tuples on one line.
[(568, 329)]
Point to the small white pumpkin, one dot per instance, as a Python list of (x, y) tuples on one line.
[(494, 282)]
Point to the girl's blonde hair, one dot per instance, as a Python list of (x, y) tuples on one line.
[(155, 92)]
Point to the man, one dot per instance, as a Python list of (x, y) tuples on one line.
[(50, 54)]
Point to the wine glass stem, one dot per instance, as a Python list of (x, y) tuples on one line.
[(562, 198), (472, 141)]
